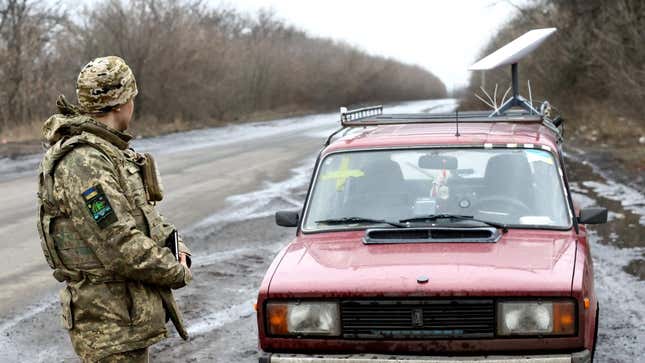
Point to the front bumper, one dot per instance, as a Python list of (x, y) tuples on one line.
[(578, 357)]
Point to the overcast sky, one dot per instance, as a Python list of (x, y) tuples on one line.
[(443, 36)]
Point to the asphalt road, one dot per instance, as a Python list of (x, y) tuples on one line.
[(223, 186)]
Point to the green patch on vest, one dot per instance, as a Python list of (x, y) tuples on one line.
[(99, 206)]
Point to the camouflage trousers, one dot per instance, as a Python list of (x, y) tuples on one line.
[(132, 356)]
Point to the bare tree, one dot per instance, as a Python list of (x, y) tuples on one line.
[(26, 29)]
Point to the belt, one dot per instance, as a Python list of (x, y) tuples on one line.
[(77, 276)]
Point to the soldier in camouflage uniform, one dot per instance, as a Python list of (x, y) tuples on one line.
[(99, 228)]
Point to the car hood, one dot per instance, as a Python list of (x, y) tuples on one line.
[(522, 262)]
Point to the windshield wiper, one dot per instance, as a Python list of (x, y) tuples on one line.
[(458, 217), (352, 220)]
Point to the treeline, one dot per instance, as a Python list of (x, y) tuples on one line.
[(592, 69), (192, 62)]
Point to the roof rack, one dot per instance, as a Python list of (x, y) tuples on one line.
[(357, 119), (362, 117), (374, 116)]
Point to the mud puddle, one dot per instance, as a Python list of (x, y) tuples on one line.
[(618, 251), (235, 247), (626, 227)]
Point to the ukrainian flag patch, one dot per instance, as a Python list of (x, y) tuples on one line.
[(99, 206)]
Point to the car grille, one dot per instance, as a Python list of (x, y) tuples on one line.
[(418, 319)]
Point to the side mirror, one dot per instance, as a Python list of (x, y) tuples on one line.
[(438, 162), (287, 218), (593, 215)]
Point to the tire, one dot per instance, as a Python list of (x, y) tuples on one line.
[(595, 334)]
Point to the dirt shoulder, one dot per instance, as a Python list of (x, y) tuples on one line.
[(614, 143), (625, 165)]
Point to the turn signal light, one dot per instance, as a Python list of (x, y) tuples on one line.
[(277, 314), (564, 319)]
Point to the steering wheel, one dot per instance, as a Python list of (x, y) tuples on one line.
[(502, 203)]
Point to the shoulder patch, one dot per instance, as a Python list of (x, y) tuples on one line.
[(99, 206)]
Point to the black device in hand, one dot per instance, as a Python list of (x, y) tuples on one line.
[(172, 242)]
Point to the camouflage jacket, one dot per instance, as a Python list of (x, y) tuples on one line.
[(102, 236)]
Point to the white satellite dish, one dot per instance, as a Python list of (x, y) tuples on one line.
[(511, 53), (515, 50)]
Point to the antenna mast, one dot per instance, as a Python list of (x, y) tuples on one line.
[(516, 99)]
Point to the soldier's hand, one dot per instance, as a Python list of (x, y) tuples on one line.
[(188, 274), (182, 259)]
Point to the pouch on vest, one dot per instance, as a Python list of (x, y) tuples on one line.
[(43, 231), (72, 250), (151, 179), (67, 319)]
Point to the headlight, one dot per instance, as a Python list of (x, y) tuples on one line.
[(303, 318), (536, 318)]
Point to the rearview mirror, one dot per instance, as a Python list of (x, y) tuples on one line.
[(593, 215), (287, 218), (438, 162)]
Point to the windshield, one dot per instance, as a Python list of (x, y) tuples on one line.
[(515, 187)]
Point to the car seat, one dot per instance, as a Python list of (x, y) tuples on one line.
[(381, 193), (509, 175)]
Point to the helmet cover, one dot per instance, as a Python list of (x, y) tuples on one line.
[(105, 83)]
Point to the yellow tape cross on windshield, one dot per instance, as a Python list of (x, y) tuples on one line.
[(343, 173)]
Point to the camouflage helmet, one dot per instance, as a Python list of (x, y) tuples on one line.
[(104, 83)]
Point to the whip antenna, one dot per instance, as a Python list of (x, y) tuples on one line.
[(457, 121)]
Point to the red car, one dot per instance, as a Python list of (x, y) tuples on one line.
[(428, 238)]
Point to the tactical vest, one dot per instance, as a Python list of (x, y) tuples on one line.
[(65, 250)]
